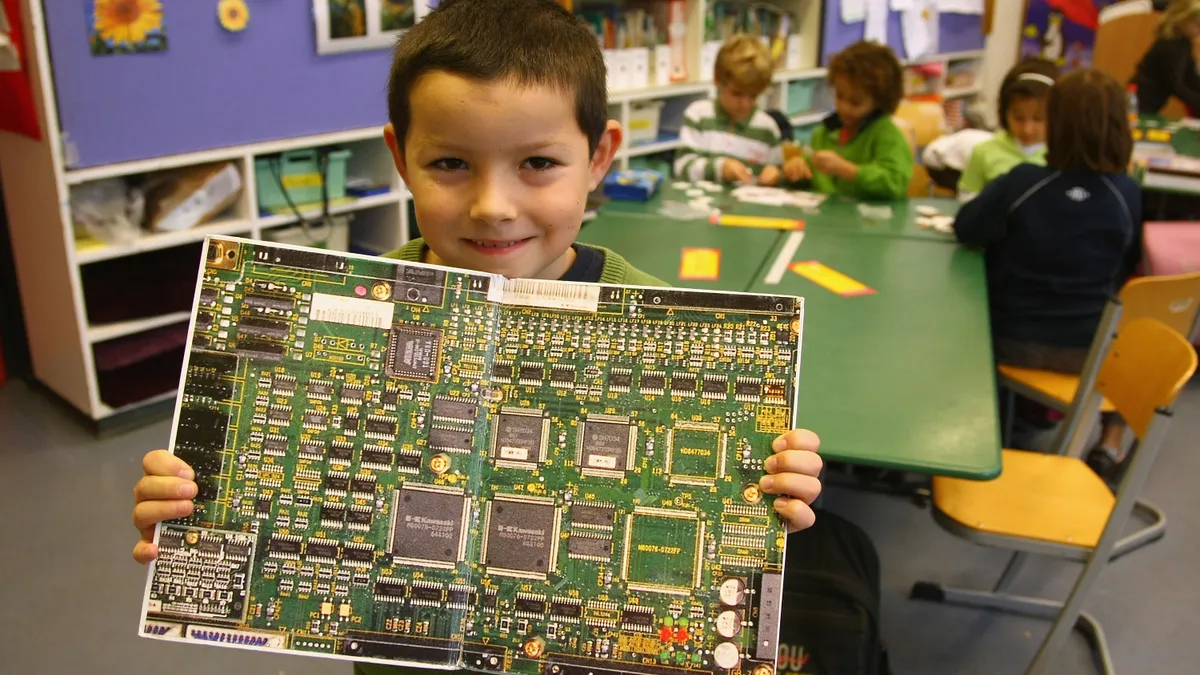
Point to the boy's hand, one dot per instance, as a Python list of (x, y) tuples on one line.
[(733, 171), (792, 473), (769, 176), (796, 170), (165, 492), (828, 161)]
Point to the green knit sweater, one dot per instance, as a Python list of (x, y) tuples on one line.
[(885, 162), (617, 270)]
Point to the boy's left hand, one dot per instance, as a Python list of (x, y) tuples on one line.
[(769, 176), (792, 473), (828, 161)]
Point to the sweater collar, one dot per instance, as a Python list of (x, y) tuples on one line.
[(834, 122), (724, 121)]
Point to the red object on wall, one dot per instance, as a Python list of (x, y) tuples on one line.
[(17, 114)]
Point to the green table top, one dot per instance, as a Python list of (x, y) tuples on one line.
[(902, 379), (1184, 141)]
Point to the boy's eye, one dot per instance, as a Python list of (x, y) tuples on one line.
[(449, 164), (540, 163)]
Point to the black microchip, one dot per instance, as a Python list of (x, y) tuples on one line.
[(279, 415), (332, 513), (350, 422), (622, 379), (502, 372), (312, 450), (210, 546), (205, 320), (562, 375), (461, 596), (413, 352), (286, 545), (358, 554), (605, 445), (683, 383), (376, 455), (748, 388), (284, 384), (532, 372), (309, 260), (420, 285), (169, 540), (716, 384), (201, 341), (357, 516), (426, 593), (653, 381), (583, 514), (341, 451), (638, 617), (275, 443), (388, 399), (220, 363), (408, 463), (268, 328), (460, 410), (339, 483), (591, 547), (263, 505), (316, 419), (321, 549), (521, 536), (570, 610), (390, 589), (320, 389), (208, 296), (302, 500), (376, 425), (428, 525), (519, 437), (491, 598), (237, 550), (363, 486), (352, 394), (450, 440), (530, 605), (269, 302)]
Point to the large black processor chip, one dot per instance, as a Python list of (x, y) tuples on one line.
[(520, 437), (522, 537), (605, 444), (414, 352), (428, 526)]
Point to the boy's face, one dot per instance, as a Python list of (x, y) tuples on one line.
[(499, 173), (852, 103), (737, 101), (1025, 120)]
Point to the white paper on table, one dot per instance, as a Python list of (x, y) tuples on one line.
[(920, 28), (853, 11), (876, 22), (960, 6)]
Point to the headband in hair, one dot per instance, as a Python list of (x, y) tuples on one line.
[(1036, 77)]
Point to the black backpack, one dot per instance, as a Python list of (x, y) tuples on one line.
[(830, 620)]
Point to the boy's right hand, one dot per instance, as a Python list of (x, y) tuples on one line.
[(733, 171), (165, 492), (796, 170)]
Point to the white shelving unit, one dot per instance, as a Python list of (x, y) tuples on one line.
[(50, 263)]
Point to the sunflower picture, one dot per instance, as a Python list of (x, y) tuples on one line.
[(126, 27), (347, 18), (395, 15)]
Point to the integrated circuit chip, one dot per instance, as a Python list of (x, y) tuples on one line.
[(695, 453), (562, 375), (419, 285), (502, 371), (450, 440), (414, 352), (620, 379), (449, 409), (716, 386), (428, 526), (653, 382), (521, 536), (683, 384), (606, 445), (520, 438), (593, 516), (590, 547), (531, 374), (662, 550)]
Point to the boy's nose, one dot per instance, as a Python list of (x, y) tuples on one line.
[(493, 201)]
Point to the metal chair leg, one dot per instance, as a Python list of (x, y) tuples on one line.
[(1147, 512), (1010, 571)]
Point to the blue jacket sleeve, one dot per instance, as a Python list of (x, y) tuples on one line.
[(984, 219)]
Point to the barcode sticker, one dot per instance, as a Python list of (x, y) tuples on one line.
[(551, 294), (352, 311)]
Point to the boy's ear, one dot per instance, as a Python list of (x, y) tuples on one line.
[(389, 137), (602, 159)]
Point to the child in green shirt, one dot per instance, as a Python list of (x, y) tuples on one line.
[(499, 127), (1022, 138), (858, 151)]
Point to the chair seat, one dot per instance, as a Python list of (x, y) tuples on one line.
[(1037, 496), (1057, 386)]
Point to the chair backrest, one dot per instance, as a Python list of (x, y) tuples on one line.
[(1147, 365), (1125, 33), (1172, 299), (927, 119)]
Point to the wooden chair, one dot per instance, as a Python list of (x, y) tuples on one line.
[(1124, 34), (1055, 505)]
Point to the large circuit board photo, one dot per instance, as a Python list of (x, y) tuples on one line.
[(406, 463)]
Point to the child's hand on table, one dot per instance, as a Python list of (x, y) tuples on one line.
[(796, 170), (769, 176), (733, 171), (828, 161), (165, 492), (792, 474)]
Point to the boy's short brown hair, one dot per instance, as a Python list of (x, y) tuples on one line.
[(744, 61), (1088, 124), (1031, 78), (528, 42), (873, 68)]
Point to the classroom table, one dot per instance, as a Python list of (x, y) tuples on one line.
[(1185, 141)]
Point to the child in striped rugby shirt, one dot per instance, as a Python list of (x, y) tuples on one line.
[(730, 139)]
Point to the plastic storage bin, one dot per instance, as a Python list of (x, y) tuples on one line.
[(299, 172), (643, 122), (801, 95)]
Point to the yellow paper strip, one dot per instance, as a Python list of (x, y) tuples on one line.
[(700, 264), (761, 222), (831, 279)]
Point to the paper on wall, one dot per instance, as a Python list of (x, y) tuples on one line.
[(901, 5), (919, 25), (960, 6), (853, 11), (876, 21)]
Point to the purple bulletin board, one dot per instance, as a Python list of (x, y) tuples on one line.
[(210, 88), (957, 32), (1063, 31)]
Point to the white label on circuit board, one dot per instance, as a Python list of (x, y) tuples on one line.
[(352, 311), (519, 454), (602, 462), (552, 294)]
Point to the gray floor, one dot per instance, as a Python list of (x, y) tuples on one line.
[(72, 593)]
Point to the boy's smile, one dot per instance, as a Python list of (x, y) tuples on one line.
[(499, 173)]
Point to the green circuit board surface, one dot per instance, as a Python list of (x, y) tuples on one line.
[(405, 463)]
